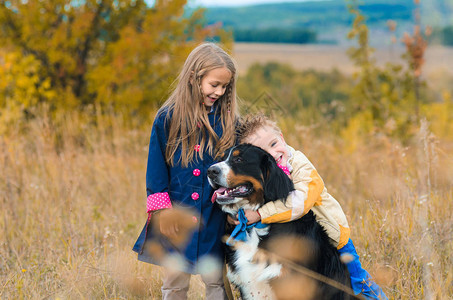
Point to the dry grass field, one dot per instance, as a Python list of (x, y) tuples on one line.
[(72, 194), (438, 59), (73, 202)]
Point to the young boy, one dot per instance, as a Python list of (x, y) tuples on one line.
[(309, 193)]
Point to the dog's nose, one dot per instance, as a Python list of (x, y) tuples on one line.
[(213, 171)]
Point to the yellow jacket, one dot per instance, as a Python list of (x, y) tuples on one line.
[(309, 193)]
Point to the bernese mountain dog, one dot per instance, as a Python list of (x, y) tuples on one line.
[(247, 178)]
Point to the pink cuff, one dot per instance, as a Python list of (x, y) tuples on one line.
[(158, 201), (284, 169)]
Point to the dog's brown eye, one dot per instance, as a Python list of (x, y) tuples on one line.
[(237, 159)]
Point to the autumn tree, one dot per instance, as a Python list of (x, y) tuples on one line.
[(119, 53), (383, 99)]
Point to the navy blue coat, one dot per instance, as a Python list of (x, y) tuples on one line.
[(181, 183)]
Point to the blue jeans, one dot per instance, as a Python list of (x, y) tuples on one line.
[(361, 280)]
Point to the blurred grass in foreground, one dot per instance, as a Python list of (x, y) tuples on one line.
[(72, 193)]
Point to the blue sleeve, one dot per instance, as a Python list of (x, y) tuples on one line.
[(157, 171)]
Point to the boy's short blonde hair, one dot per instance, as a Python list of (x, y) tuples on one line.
[(249, 124)]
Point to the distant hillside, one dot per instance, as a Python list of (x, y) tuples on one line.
[(328, 20), (307, 14)]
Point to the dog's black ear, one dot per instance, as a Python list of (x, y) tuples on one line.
[(277, 185)]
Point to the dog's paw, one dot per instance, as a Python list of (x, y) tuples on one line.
[(270, 272), (234, 278), (264, 257)]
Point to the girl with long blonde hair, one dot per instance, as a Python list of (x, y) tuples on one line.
[(191, 130)]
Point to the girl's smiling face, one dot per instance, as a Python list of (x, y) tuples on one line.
[(214, 84), (272, 142)]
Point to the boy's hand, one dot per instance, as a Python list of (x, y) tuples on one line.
[(252, 216)]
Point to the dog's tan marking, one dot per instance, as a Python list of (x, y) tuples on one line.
[(257, 195), (236, 152)]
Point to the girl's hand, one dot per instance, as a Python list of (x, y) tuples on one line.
[(232, 220), (168, 224)]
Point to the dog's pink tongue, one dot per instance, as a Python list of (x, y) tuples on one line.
[(220, 191)]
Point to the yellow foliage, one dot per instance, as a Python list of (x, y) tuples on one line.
[(440, 117), (22, 87), (357, 131), (121, 54)]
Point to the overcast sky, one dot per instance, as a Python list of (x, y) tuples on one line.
[(240, 2)]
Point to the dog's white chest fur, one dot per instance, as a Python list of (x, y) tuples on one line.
[(253, 277)]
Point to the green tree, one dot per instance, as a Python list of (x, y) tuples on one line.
[(311, 96)]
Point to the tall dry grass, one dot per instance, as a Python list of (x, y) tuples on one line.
[(72, 195), (398, 200)]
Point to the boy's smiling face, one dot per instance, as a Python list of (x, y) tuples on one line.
[(271, 141)]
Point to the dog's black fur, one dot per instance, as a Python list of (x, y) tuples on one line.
[(260, 180)]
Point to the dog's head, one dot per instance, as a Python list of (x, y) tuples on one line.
[(247, 178)]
